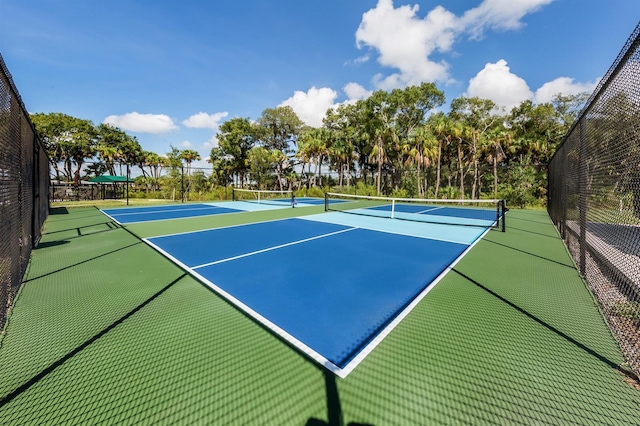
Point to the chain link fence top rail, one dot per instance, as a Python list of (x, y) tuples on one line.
[(594, 196), (24, 183)]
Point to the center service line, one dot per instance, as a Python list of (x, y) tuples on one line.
[(273, 248)]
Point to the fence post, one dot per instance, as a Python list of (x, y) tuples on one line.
[(127, 183), (582, 185)]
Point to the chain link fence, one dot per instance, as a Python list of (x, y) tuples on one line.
[(24, 185), (594, 196)]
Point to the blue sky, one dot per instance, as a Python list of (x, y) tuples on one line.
[(170, 72)]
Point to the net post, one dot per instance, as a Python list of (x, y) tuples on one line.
[(393, 208), (233, 194), (293, 199), (503, 211), (326, 201)]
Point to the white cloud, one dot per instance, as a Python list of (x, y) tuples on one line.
[(202, 120), (406, 42), (355, 92), (312, 106), (498, 15), (498, 83), (563, 85), (211, 143), (506, 89), (186, 144), (359, 60), (201, 164), (142, 123)]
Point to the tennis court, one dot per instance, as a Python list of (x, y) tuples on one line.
[(108, 330), (264, 269), (481, 213), (254, 200), (125, 215)]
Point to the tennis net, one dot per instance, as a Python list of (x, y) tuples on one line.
[(482, 213), (263, 196)]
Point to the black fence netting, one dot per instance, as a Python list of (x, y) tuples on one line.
[(24, 185), (594, 196)]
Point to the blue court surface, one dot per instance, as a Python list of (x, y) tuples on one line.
[(126, 215), (332, 290), (440, 211), (309, 201)]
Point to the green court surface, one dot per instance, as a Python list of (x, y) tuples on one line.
[(105, 330)]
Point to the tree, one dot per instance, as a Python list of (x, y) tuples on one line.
[(312, 148), (67, 140), (261, 166), (117, 147), (379, 157), (174, 162), (189, 156), (480, 116), (439, 126), (345, 128), (497, 138), (459, 132), (280, 128), (236, 137), (223, 166)]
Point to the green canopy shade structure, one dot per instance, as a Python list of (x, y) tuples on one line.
[(110, 179), (117, 183)]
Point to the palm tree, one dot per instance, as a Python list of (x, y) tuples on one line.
[(341, 154), (281, 161), (313, 147), (379, 157), (304, 153), (476, 143), (459, 132), (440, 128), (108, 154), (189, 155), (496, 139), (421, 148), (155, 163)]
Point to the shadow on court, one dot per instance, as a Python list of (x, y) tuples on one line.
[(529, 253), (58, 210), (79, 229), (334, 409), (52, 367), (609, 363), (62, 242)]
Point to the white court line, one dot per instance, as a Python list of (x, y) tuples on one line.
[(273, 248), (429, 210)]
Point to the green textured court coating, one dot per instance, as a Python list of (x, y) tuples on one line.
[(107, 331)]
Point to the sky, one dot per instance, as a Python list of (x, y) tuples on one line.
[(170, 72)]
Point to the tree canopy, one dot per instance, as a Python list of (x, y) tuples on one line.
[(399, 142)]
